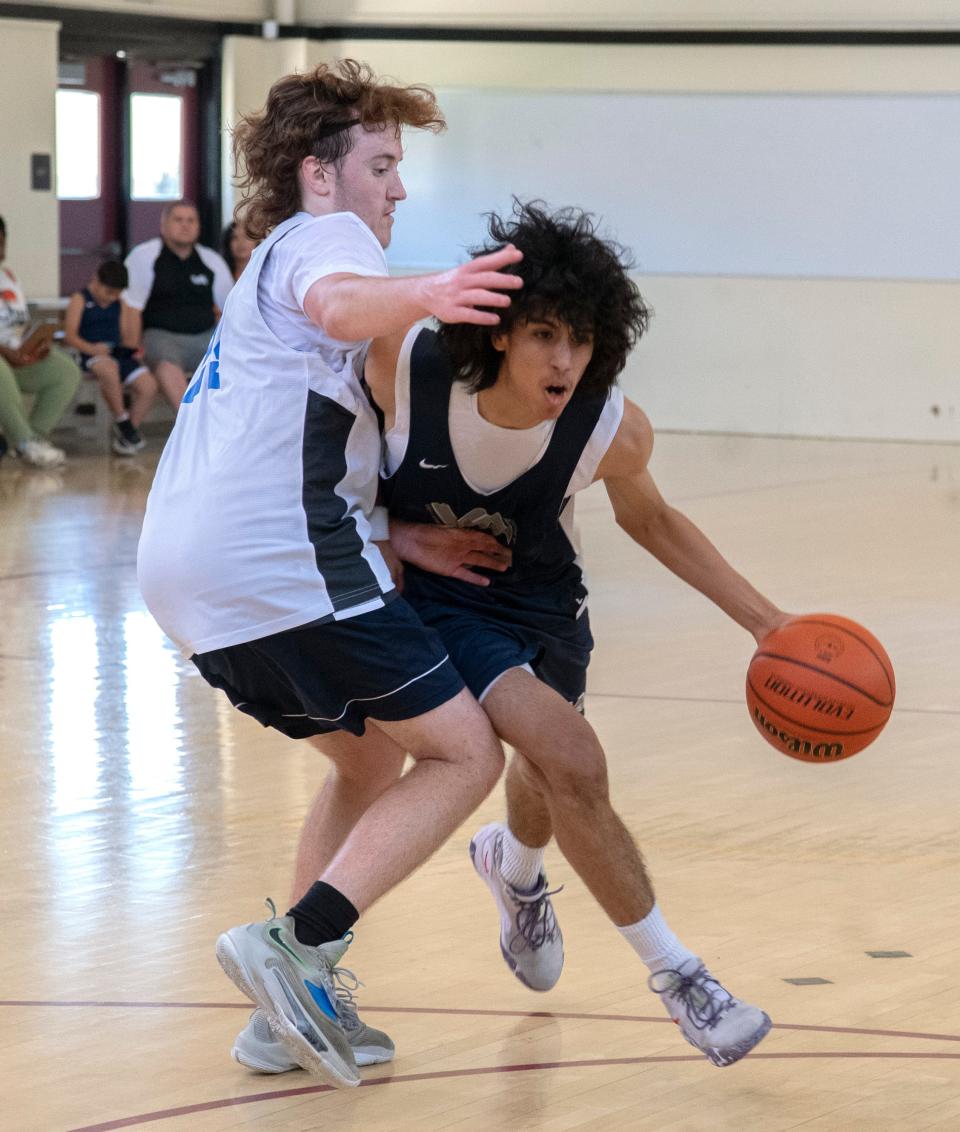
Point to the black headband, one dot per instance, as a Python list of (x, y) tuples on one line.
[(335, 128)]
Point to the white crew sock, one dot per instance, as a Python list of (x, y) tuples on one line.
[(520, 865), (124, 416), (652, 939)]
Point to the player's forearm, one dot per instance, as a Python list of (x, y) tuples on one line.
[(686, 551), (358, 307), (354, 307)]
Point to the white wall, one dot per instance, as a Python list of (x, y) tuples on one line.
[(580, 14), (250, 66), (252, 10), (632, 14), (804, 356), (28, 80)]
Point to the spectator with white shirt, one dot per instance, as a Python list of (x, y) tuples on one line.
[(48, 375), (176, 292)]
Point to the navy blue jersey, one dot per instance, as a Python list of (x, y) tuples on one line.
[(97, 323), (524, 515)]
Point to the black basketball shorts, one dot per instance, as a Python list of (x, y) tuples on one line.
[(334, 675)]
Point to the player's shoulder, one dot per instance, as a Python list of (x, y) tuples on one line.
[(428, 358), (338, 237), (347, 224), (632, 445)]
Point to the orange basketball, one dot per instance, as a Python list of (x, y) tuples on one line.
[(820, 688)]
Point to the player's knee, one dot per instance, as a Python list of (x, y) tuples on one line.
[(485, 760), (578, 776)]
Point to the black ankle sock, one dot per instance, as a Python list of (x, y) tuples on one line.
[(323, 915)]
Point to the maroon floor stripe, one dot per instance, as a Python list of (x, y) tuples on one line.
[(121, 1005), (280, 1094)]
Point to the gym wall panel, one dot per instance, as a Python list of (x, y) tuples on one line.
[(821, 15), (830, 315), (632, 14), (28, 79)]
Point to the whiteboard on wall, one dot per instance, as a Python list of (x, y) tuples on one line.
[(810, 186)]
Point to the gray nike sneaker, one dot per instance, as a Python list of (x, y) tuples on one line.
[(295, 986), (257, 1048), (722, 1027), (530, 938)]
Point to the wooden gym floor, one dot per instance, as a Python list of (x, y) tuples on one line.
[(142, 815)]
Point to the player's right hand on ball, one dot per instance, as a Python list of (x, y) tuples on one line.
[(454, 296)]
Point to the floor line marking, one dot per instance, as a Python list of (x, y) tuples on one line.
[(407, 1078), (470, 1012)]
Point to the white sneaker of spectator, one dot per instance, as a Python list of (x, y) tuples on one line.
[(41, 453)]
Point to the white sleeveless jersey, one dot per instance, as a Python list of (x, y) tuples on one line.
[(259, 516)]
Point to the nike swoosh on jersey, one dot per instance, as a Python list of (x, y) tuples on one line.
[(432, 467)]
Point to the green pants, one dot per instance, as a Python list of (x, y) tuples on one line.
[(52, 384)]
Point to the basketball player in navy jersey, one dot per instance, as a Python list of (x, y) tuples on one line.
[(277, 580), (495, 430)]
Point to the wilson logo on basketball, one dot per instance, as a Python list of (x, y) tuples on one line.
[(818, 751), (811, 700)]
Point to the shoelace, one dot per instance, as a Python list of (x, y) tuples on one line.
[(704, 1005), (345, 984), (536, 923)]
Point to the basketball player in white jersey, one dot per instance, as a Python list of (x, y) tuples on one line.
[(262, 552), (496, 430)]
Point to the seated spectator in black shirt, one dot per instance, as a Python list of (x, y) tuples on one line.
[(236, 247), (176, 292), (97, 324)]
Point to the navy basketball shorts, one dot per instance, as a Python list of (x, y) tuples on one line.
[(334, 675), (485, 645), (129, 369)]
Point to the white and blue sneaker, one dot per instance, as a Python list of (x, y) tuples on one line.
[(722, 1027), (295, 986), (257, 1048), (530, 939)]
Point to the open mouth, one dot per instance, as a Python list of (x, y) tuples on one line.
[(555, 392)]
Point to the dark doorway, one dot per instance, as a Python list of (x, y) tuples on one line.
[(89, 167), (164, 143), (129, 141), (119, 63)]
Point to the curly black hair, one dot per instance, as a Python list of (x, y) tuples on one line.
[(570, 274)]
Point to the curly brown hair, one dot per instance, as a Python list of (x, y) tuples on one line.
[(311, 115), (570, 273)]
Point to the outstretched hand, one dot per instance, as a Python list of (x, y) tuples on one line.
[(454, 296), (452, 552)]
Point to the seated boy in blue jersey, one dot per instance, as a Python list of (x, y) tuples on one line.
[(94, 325), (490, 432)]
